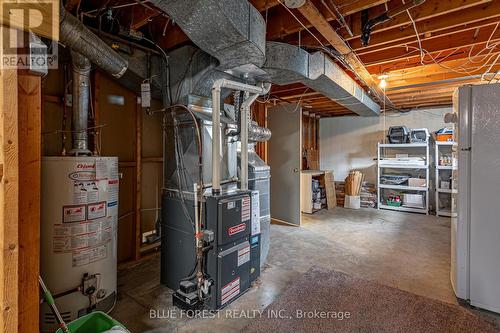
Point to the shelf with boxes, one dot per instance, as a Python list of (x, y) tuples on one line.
[(317, 190), (403, 176), (445, 165)]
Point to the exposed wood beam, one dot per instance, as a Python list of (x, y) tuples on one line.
[(414, 61), (416, 105), (433, 78), (9, 200), (352, 7), (141, 19), (448, 42), (261, 5), (477, 67), (312, 14), (427, 10), (316, 18), (465, 18), (29, 116), (475, 27), (436, 85), (281, 23)]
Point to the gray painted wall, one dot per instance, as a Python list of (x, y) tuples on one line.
[(348, 143)]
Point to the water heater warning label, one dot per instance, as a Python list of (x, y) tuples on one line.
[(74, 213), (87, 256), (81, 235), (230, 291), (97, 210)]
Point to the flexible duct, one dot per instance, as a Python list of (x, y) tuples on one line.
[(78, 38), (81, 93)]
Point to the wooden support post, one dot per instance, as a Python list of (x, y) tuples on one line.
[(138, 170), (29, 120), (9, 191)]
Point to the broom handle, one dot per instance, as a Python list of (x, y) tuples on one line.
[(50, 300)]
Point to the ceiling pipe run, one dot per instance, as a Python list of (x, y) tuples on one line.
[(77, 37)]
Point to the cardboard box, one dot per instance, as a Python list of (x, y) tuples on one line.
[(413, 200), (417, 182), (352, 201), (445, 185)]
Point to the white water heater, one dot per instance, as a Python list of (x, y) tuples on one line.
[(79, 235)]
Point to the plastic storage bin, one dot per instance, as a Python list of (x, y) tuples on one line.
[(95, 322)]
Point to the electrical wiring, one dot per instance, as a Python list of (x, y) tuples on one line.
[(470, 57), (418, 37), (300, 22), (167, 63)]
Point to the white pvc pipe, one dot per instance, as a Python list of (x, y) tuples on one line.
[(216, 139)]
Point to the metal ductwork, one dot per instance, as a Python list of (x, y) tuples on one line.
[(81, 78), (77, 37), (288, 64), (232, 31)]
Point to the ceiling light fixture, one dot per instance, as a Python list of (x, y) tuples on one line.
[(383, 82)]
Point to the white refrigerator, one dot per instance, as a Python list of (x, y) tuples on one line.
[(475, 232)]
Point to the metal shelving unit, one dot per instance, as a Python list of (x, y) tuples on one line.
[(440, 145), (385, 164)]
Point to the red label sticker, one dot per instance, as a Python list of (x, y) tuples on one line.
[(236, 229)]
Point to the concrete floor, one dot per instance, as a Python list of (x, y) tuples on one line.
[(407, 251)]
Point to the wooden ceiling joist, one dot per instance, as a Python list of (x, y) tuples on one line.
[(281, 23), (463, 18), (428, 10), (312, 14)]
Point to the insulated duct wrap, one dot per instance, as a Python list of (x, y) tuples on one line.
[(232, 31), (288, 64), (81, 93), (258, 134), (76, 36)]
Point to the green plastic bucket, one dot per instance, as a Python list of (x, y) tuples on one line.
[(95, 322)]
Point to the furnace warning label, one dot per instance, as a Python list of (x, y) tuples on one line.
[(74, 213), (230, 291), (245, 209), (87, 256), (244, 255), (255, 213)]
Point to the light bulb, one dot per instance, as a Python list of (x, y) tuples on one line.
[(383, 83)]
